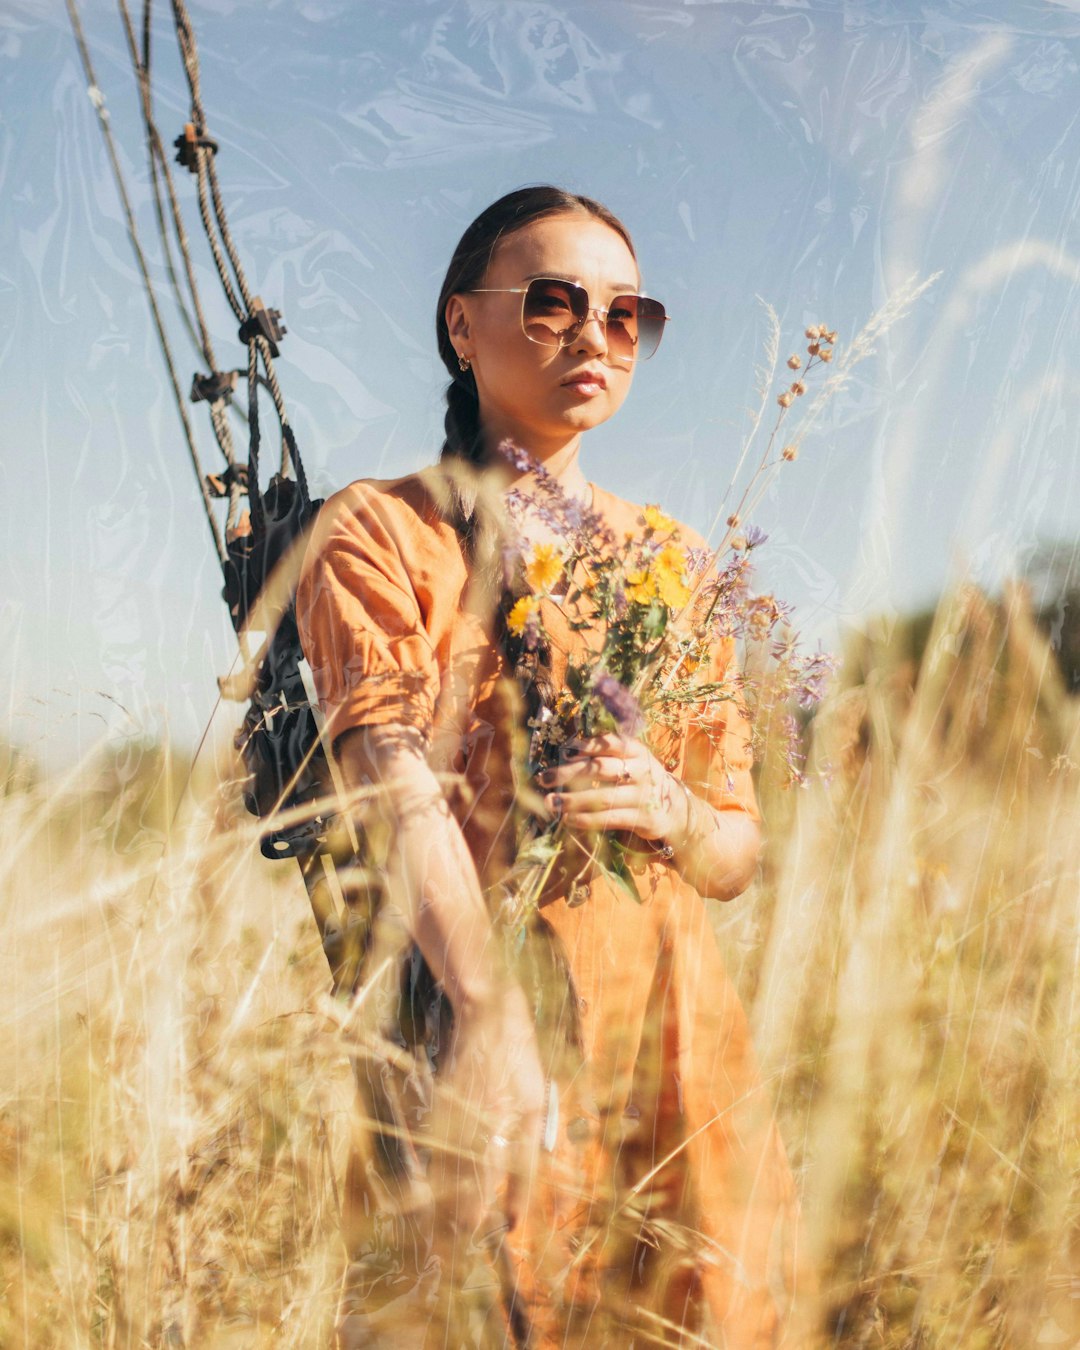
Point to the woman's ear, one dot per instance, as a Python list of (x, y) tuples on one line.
[(457, 323)]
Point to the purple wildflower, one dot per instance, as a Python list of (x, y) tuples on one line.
[(521, 460), (620, 703), (813, 678), (755, 536), (574, 514), (697, 559), (548, 501)]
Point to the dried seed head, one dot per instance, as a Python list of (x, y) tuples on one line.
[(811, 333), (786, 400), (790, 453), (798, 388), (794, 362), (830, 338), (827, 355), (734, 520), (814, 348), (738, 541)]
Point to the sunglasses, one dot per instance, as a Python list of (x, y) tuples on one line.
[(553, 313)]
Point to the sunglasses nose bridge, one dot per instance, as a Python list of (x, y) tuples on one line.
[(594, 314)]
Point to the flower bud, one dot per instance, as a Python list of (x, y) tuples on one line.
[(794, 362), (827, 354), (798, 388), (734, 520), (738, 542), (811, 333), (790, 453), (785, 400), (830, 338), (814, 348)]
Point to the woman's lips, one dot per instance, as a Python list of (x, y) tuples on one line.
[(588, 383)]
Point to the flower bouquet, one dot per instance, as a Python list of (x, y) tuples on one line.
[(651, 607)]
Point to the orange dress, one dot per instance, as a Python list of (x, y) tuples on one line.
[(666, 1200)]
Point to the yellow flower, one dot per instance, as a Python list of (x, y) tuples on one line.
[(640, 587), (544, 568), (656, 521), (670, 573), (521, 613)]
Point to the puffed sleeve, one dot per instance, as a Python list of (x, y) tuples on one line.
[(360, 622), (719, 754)]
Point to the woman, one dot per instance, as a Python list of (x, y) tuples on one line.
[(661, 1199)]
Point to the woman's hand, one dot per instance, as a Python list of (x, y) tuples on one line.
[(496, 1068), (614, 782)]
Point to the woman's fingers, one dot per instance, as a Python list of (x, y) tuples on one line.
[(590, 771), (609, 782), (607, 808)]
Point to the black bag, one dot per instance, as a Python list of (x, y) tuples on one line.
[(279, 738)]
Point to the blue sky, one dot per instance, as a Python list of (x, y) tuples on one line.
[(814, 154)]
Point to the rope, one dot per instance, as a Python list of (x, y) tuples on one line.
[(98, 100), (289, 448), (210, 197), (211, 238), (142, 76), (226, 261), (189, 52), (158, 157)]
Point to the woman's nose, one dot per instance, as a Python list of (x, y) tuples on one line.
[(593, 335)]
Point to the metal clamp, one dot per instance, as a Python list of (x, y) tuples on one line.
[(219, 484), (188, 145), (263, 323), (211, 388)]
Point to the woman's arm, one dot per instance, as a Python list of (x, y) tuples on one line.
[(433, 882), (617, 783)]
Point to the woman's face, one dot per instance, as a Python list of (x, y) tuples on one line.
[(543, 397)]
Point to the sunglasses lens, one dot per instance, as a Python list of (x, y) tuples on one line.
[(553, 311), (635, 326)]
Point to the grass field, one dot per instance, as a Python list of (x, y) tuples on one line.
[(174, 1097)]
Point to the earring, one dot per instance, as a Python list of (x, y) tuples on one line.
[(463, 363)]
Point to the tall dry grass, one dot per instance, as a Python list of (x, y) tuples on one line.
[(176, 1101)]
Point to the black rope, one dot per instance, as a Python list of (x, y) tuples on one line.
[(258, 515), (289, 449), (98, 100)]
